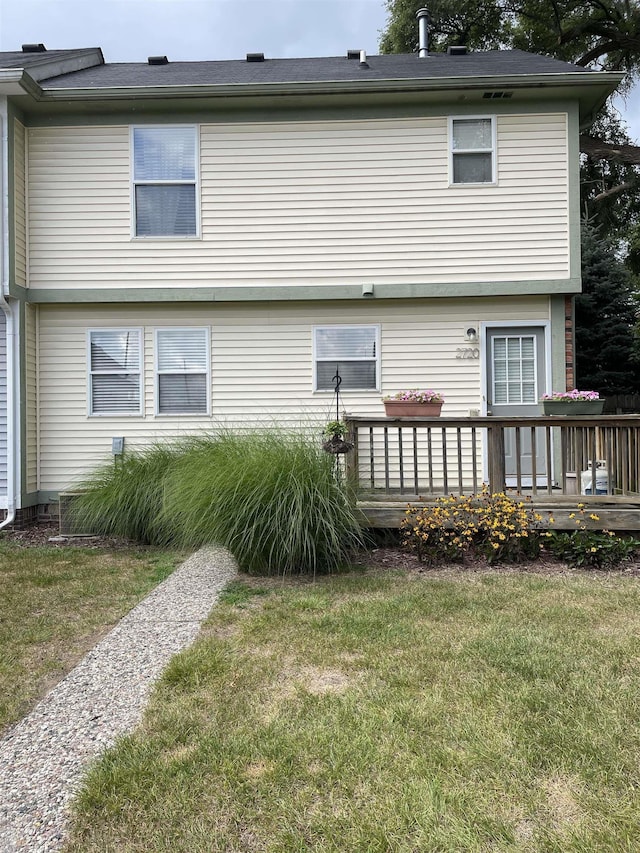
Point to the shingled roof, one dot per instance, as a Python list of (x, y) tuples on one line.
[(314, 70)]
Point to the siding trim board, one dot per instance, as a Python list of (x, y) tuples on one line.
[(187, 113), (295, 293)]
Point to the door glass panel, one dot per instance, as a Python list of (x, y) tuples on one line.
[(514, 370)]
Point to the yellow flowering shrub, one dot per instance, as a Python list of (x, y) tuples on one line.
[(501, 528)]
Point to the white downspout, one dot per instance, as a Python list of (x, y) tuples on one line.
[(8, 313)]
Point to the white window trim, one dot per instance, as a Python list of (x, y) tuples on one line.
[(494, 148), (376, 328), (133, 183), (156, 371), (140, 372)]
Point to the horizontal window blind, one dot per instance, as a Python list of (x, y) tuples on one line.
[(164, 153), (165, 210), (351, 351), (115, 371), (472, 150), (182, 371), (165, 177)]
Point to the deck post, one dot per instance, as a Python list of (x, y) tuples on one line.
[(495, 454)]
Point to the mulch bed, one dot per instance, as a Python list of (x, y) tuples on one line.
[(400, 559), (388, 556), (39, 535)]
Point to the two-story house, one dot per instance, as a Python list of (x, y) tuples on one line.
[(189, 244)]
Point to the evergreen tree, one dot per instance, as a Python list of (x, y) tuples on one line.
[(606, 359)]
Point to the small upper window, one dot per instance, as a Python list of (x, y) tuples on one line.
[(115, 372), (472, 151), (164, 181), (182, 375), (352, 352)]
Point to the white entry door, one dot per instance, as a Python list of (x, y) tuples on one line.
[(515, 381)]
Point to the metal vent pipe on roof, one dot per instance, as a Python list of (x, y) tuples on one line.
[(423, 33)]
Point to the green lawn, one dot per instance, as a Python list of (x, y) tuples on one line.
[(434, 712), (56, 603)]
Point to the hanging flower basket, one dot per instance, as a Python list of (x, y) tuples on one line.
[(336, 444), (414, 404), (335, 441)]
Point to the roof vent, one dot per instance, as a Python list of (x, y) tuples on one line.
[(497, 95), (157, 60), (457, 50), (255, 57), (363, 59), (353, 54), (33, 48)]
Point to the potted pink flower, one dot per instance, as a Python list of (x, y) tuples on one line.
[(572, 403), (414, 403)]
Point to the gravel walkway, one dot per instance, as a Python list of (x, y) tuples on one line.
[(42, 757)]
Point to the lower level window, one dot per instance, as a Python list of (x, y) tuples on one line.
[(350, 352), (182, 371), (115, 375)]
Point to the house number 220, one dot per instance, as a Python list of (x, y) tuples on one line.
[(468, 352)]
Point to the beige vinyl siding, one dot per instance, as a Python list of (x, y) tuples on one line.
[(310, 203), (31, 398), (19, 203), (261, 360)]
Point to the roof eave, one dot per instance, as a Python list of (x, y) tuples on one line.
[(606, 81), (17, 81)]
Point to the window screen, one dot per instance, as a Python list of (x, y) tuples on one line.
[(351, 351), (182, 371), (114, 371), (164, 176)]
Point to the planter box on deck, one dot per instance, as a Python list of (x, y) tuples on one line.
[(410, 409), (572, 407)]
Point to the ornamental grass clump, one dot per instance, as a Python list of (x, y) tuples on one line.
[(126, 499), (494, 525), (271, 497)]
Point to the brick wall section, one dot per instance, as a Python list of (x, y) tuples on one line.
[(568, 343), (24, 517)]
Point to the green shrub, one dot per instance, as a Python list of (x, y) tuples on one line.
[(494, 525), (590, 549), (271, 497)]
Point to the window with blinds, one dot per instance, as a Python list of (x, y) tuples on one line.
[(182, 371), (115, 374), (165, 181), (352, 352), (472, 150)]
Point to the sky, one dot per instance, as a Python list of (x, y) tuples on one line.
[(132, 30)]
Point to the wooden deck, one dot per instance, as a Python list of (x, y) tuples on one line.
[(547, 459)]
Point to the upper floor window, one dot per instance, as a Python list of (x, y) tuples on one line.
[(351, 351), (165, 181), (115, 372), (472, 150), (182, 371)]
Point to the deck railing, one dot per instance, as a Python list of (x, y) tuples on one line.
[(549, 455)]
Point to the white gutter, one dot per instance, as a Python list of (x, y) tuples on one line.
[(11, 335)]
